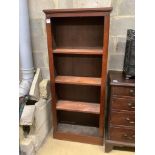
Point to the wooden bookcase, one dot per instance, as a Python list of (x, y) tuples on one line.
[(78, 48)]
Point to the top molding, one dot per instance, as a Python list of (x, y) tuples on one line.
[(78, 12)]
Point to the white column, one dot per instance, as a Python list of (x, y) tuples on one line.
[(26, 61)]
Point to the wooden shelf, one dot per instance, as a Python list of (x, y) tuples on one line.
[(91, 51), (78, 80), (75, 106)]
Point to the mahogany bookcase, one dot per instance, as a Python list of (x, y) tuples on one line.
[(78, 50)]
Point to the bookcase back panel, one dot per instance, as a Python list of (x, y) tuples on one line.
[(78, 118), (78, 93), (79, 32), (78, 65)]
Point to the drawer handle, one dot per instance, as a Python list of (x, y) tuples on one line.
[(131, 122), (131, 91), (125, 135), (128, 119), (131, 105), (128, 137)]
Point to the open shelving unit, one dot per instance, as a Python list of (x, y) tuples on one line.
[(78, 48)]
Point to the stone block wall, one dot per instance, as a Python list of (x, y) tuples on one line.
[(122, 18)]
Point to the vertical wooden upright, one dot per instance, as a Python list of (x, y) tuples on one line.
[(78, 51), (104, 72)]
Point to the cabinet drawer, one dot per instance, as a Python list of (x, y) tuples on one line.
[(122, 134), (122, 118), (123, 91), (123, 104)]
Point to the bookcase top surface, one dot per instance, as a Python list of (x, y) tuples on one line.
[(77, 11)]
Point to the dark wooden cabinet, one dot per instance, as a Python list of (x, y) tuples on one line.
[(78, 51), (120, 111)]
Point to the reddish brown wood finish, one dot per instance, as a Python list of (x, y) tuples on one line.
[(82, 33), (78, 65), (74, 49), (123, 104), (104, 72), (122, 118), (81, 93), (85, 107), (90, 51), (123, 91), (78, 80), (78, 118), (80, 12), (122, 134)]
